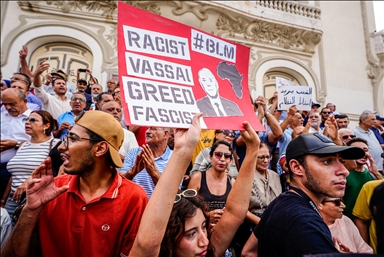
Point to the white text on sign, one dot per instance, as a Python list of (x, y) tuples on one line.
[(146, 41), (212, 46)]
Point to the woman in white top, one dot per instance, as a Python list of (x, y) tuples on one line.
[(29, 156)]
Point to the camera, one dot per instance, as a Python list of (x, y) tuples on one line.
[(82, 70)]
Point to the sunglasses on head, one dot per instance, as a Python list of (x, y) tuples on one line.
[(337, 202), (31, 120), (228, 133), (218, 155), (186, 193), (348, 136)]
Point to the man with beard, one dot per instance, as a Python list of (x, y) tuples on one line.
[(145, 164), (325, 113), (54, 104), (314, 120), (292, 225), (81, 87), (92, 211), (359, 176)]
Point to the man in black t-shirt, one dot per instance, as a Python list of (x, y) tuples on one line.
[(292, 225)]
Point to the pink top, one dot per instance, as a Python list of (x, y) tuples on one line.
[(345, 230)]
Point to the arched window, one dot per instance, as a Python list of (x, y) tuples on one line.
[(63, 56)]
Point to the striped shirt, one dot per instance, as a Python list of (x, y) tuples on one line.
[(143, 178), (26, 160)]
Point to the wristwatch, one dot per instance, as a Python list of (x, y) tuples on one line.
[(268, 112), (17, 146)]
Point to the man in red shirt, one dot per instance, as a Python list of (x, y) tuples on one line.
[(92, 211)]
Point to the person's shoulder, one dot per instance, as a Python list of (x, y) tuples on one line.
[(134, 189), (273, 174), (63, 180)]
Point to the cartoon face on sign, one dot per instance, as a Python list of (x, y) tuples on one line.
[(208, 82), (213, 104)]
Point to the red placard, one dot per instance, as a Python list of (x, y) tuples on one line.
[(169, 71)]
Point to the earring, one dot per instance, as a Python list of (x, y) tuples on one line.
[(44, 131)]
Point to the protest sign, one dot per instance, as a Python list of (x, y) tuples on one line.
[(290, 93), (169, 71)]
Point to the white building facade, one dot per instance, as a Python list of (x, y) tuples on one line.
[(330, 46)]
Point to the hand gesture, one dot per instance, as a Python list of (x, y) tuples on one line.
[(340, 246), (6, 144), (139, 164), (19, 191), (148, 160), (188, 138), (250, 137), (215, 215), (292, 110), (331, 128), (23, 52), (41, 188), (371, 164), (43, 66), (262, 106), (65, 125)]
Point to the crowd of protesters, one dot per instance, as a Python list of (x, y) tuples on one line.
[(77, 181)]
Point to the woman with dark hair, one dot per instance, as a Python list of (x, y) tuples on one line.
[(214, 184), (181, 229), (203, 160), (39, 125)]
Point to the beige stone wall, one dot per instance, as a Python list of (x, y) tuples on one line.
[(333, 49)]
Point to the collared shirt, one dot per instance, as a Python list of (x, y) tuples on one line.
[(143, 178), (373, 144), (104, 226), (378, 135), (31, 98), (53, 104), (13, 128), (217, 105), (66, 117)]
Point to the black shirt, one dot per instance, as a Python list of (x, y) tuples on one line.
[(290, 226)]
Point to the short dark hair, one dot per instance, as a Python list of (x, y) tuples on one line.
[(215, 145), (27, 78), (47, 118), (341, 116), (357, 139), (56, 79), (99, 97)]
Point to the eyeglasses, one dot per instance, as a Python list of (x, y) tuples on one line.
[(228, 133), (115, 93), (18, 79), (336, 201), (186, 193), (326, 112), (348, 136), (31, 120), (218, 155), (77, 99), (73, 139), (313, 117), (263, 157)]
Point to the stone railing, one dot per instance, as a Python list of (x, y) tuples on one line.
[(294, 7)]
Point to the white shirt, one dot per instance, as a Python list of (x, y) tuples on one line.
[(13, 128), (52, 104), (128, 143), (216, 103), (374, 147)]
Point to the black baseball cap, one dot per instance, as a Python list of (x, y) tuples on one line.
[(318, 144), (82, 80)]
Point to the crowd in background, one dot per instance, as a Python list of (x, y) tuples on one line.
[(39, 111)]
